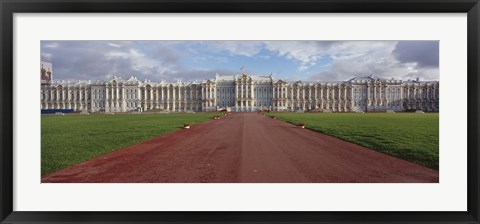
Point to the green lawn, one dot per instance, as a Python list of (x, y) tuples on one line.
[(71, 139), (409, 136)]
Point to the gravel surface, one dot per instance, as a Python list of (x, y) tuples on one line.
[(245, 148)]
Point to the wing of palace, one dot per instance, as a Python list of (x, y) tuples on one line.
[(242, 93)]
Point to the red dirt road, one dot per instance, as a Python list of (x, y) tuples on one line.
[(245, 148)]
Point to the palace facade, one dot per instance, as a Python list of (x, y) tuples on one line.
[(242, 93)]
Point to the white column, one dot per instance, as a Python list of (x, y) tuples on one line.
[(333, 93), (280, 96), (252, 93), (303, 97), (74, 98), (144, 99), (202, 92), (156, 98), (273, 95), (117, 94), (408, 92), (179, 101), (86, 98), (368, 95), (162, 97), (179, 98), (328, 92), (241, 95), (310, 96), (241, 90), (321, 94), (214, 96), (106, 92), (236, 95), (291, 98), (208, 96), (123, 98), (82, 98), (168, 98), (174, 100), (339, 98), (191, 98), (151, 97), (236, 91), (185, 98), (63, 97), (107, 105), (274, 100)]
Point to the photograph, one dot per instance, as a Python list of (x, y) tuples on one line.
[(240, 112), (227, 111)]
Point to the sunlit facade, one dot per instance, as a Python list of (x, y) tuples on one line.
[(242, 93)]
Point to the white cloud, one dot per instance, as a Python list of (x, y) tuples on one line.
[(241, 48), (370, 58), (114, 45), (335, 60), (302, 68), (302, 52), (116, 54), (51, 45), (46, 57)]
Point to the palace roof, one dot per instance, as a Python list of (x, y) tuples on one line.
[(232, 78)]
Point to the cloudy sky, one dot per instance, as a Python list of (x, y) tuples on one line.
[(198, 60)]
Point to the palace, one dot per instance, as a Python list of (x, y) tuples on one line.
[(242, 93)]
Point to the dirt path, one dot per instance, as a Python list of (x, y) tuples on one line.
[(245, 148)]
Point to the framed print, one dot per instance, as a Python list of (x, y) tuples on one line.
[(262, 112)]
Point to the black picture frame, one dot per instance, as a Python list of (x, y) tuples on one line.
[(9, 7)]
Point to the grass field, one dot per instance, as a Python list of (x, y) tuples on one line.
[(71, 139), (409, 136)]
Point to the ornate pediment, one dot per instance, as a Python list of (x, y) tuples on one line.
[(244, 77)]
